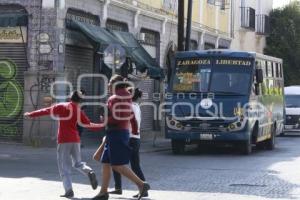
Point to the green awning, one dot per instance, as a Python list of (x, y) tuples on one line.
[(97, 34), (13, 19), (139, 55), (133, 48)]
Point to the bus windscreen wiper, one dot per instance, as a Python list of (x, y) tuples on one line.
[(227, 92)]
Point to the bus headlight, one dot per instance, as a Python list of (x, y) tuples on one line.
[(174, 124)]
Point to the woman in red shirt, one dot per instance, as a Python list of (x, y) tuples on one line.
[(117, 152), (68, 148)]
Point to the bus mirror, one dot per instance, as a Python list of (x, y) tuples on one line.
[(259, 76)]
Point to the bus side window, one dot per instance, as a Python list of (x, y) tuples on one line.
[(275, 74), (281, 74), (269, 69), (277, 70)]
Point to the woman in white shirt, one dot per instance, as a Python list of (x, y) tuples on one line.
[(134, 143)]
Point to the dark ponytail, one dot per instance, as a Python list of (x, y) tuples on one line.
[(136, 93)]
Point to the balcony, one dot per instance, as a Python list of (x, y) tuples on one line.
[(248, 18), (263, 25)]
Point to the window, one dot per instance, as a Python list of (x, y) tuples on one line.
[(280, 67), (193, 45), (116, 26), (151, 37), (211, 2), (277, 69), (263, 66), (269, 69), (273, 69), (208, 46), (222, 6)]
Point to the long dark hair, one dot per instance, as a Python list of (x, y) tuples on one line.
[(136, 93), (77, 96)]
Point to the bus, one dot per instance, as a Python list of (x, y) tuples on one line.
[(222, 96), (292, 109)]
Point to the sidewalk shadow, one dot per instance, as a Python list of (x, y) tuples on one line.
[(124, 198)]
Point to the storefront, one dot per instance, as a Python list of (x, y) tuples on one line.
[(13, 63), (80, 55)]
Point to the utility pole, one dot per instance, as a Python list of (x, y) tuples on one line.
[(180, 25), (189, 25)]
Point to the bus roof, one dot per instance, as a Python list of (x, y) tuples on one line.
[(290, 90), (225, 53)]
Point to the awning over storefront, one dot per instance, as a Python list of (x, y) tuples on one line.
[(133, 48), (139, 55), (97, 34), (13, 19)]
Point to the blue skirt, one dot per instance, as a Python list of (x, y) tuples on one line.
[(116, 150)]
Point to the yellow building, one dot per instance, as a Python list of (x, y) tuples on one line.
[(211, 18)]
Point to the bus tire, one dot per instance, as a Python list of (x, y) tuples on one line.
[(246, 147), (178, 146), (270, 143)]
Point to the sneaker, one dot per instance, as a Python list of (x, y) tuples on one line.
[(93, 180), (68, 194), (137, 195), (144, 190), (116, 191), (104, 196)]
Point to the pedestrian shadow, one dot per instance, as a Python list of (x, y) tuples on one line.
[(80, 198), (130, 198)]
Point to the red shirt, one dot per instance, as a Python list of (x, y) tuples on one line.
[(120, 114), (69, 114)]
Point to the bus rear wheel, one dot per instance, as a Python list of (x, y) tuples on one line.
[(178, 146)]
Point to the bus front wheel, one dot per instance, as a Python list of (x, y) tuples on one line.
[(246, 147), (270, 143), (178, 146)]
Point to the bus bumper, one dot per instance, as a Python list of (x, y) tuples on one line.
[(219, 136)]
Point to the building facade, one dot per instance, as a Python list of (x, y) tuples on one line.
[(39, 46), (250, 24)]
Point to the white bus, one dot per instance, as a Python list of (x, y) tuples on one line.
[(292, 108)]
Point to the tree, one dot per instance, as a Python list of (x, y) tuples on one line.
[(284, 41)]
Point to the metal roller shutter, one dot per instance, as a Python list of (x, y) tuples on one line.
[(147, 86), (13, 63), (79, 60)]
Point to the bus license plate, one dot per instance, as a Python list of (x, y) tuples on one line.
[(288, 126), (206, 136)]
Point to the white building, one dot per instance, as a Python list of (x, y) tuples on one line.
[(250, 24)]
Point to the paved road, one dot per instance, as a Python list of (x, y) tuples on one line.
[(27, 173)]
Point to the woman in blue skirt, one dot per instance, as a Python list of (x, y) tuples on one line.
[(116, 154)]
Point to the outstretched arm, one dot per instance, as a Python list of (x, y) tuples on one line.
[(55, 110), (85, 121)]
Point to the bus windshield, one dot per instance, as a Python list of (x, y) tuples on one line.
[(227, 79), (292, 101)]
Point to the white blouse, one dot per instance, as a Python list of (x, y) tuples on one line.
[(138, 116)]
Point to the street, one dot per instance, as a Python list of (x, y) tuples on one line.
[(31, 173)]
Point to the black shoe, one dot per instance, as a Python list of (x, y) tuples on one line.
[(101, 197), (68, 194), (137, 195), (144, 190), (116, 191), (93, 180)]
